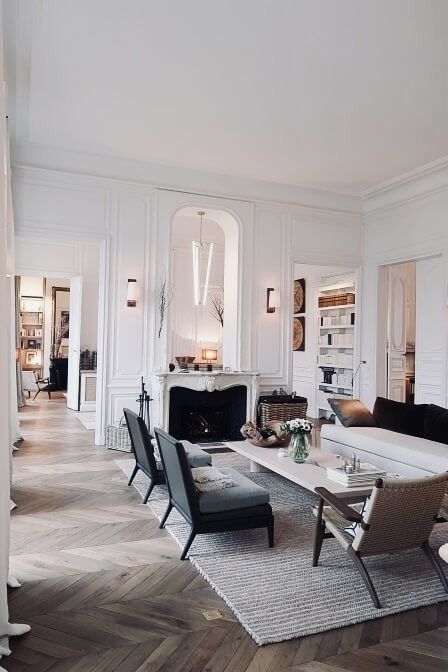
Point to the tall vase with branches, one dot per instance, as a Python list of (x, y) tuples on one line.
[(165, 295)]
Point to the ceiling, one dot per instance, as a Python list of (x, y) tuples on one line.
[(337, 95)]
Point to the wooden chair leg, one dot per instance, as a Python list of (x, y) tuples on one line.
[(49, 394), (151, 486), (319, 532), (38, 391), (271, 535), (365, 576), (165, 515), (188, 544), (133, 475), (434, 560)]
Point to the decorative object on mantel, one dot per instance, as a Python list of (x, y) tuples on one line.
[(183, 363), (210, 355), (165, 298), (171, 366), (270, 436), (299, 430)]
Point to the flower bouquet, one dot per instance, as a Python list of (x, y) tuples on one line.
[(299, 430)]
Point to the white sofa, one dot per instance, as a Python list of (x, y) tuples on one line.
[(395, 453)]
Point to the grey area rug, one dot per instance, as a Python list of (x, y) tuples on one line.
[(275, 593)]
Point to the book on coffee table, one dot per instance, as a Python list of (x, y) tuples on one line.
[(367, 475)]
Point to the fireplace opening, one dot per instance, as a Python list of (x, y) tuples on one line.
[(207, 417)]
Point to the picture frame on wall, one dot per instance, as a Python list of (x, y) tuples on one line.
[(299, 296), (298, 338)]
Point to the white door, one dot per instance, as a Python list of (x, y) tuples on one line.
[(396, 334), (430, 332), (74, 345)]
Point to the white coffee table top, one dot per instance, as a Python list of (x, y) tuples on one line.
[(310, 475)]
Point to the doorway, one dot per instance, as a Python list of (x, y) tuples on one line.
[(57, 346), (411, 324)]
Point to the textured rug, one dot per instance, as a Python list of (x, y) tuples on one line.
[(275, 593)]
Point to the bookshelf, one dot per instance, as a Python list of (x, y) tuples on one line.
[(31, 332), (336, 342)]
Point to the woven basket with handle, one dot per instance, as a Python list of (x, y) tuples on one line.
[(288, 410)]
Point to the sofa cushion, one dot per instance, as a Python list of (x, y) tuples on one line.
[(408, 450), (352, 413), (400, 417), (243, 494), (436, 423), (196, 456)]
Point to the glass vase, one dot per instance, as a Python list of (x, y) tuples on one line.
[(299, 448)]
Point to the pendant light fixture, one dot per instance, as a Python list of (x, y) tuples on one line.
[(197, 247)]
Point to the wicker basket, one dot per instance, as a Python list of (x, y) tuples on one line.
[(117, 438), (282, 411)]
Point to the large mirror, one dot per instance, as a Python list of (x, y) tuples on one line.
[(61, 321)]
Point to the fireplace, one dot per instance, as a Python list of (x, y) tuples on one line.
[(205, 417)]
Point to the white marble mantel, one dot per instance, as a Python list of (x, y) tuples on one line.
[(163, 381)]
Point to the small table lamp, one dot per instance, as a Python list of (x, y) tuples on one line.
[(210, 355)]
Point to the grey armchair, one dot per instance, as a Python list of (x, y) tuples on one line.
[(145, 459), (400, 515), (243, 506)]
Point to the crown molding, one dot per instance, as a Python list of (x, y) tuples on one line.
[(31, 155), (423, 181)]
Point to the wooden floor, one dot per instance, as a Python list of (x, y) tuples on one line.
[(104, 591)]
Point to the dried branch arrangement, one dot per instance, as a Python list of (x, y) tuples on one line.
[(217, 308), (165, 298)]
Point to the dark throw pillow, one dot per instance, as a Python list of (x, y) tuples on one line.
[(400, 417), (436, 423), (352, 413)]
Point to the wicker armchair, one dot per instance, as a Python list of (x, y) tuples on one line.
[(400, 515)]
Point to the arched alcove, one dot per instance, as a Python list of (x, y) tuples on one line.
[(193, 327)]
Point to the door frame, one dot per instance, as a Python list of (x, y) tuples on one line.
[(43, 270), (381, 315)]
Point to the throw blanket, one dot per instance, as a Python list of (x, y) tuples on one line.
[(210, 478)]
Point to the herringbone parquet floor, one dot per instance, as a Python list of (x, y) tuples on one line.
[(104, 591)]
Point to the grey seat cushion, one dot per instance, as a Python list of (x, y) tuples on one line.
[(243, 494), (196, 456)]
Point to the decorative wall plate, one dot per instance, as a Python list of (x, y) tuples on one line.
[(298, 339), (299, 296)]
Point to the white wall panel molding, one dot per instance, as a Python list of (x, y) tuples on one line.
[(174, 178), (272, 268), (425, 181), (167, 204)]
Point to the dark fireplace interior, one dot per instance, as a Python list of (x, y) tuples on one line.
[(206, 417)]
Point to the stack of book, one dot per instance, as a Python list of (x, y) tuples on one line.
[(366, 476)]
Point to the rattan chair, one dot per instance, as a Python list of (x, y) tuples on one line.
[(400, 515)]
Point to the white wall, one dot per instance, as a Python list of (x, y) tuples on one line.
[(132, 221), (404, 221)]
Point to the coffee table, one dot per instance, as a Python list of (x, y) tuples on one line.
[(309, 475)]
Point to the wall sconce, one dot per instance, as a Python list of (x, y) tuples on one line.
[(132, 293), (210, 355), (272, 300)]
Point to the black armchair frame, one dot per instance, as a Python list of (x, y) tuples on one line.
[(184, 497), (143, 452)]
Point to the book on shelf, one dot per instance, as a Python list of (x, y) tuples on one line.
[(366, 476)]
